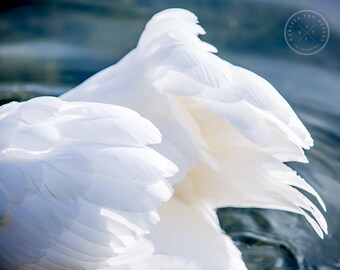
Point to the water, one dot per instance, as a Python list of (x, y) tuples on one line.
[(46, 47)]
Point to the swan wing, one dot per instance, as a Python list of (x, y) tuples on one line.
[(79, 184), (186, 66), (249, 127), (226, 128)]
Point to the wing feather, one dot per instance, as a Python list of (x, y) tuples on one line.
[(249, 127), (77, 178), (238, 95), (224, 126), (250, 176)]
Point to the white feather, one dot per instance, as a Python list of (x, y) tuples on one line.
[(190, 230), (68, 173), (225, 127)]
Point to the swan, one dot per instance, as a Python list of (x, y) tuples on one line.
[(226, 135)]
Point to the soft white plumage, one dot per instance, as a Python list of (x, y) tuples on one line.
[(226, 129), (68, 173)]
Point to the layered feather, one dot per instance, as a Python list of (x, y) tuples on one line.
[(227, 129), (247, 123), (188, 237), (69, 172)]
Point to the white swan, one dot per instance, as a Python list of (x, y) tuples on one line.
[(227, 130)]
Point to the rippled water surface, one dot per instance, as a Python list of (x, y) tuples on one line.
[(46, 47)]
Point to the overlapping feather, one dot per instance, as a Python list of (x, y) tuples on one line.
[(79, 185), (259, 132), (227, 129)]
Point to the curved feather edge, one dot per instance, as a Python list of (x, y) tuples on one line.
[(185, 66), (234, 113), (68, 173), (250, 176)]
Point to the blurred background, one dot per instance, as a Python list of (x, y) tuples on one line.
[(47, 47)]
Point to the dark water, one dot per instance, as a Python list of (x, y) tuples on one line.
[(46, 47)]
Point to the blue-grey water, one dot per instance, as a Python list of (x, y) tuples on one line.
[(47, 47)]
